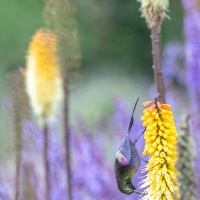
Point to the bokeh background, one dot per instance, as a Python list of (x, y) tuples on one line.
[(116, 68), (114, 41)]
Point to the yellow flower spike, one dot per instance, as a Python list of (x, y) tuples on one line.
[(43, 77), (160, 143)]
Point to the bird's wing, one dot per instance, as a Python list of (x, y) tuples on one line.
[(125, 148)]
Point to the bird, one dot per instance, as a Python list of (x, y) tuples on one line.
[(127, 161)]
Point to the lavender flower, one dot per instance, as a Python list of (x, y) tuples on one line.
[(28, 182), (92, 160), (56, 159), (7, 183), (173, 64), (174, 74), (192, 47)]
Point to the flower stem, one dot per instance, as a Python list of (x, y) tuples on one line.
[(67, 137), (155, 38), (46, 161), (18, 139)]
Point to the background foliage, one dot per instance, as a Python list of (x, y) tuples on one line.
[(111, 33)]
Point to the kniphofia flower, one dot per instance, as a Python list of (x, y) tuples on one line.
[(160, 143), (43, 78)]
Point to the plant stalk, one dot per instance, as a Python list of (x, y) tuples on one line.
[(155, 38), (67, 137), (46, 161), (18, 139)]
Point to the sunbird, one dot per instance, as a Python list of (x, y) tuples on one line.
[(127, 161)]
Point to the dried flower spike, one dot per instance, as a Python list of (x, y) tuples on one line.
[(186, 161), (43, 78), (154, 11), (160, 143)]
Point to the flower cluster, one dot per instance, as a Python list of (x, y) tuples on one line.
[(43, 78), (160, 143)]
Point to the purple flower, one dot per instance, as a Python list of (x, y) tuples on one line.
[(174, 73), (92, 155), (7, 183), (173, 64), (192, 48)]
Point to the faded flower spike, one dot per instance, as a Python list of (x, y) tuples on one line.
[(186, 161), (43, 78), (160, 143), (154, 11)]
